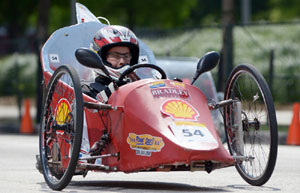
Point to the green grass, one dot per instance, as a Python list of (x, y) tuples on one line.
[(283, 128)]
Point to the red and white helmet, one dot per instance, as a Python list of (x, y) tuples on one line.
[(111, 36), (115, 35)]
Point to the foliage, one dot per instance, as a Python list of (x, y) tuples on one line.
[(15, 14), (132, 13), (17, 75), (283, 10), (286, 85), (252, 44), (166, 14)]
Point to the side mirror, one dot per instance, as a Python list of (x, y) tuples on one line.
[(90, 59), (206, 63)]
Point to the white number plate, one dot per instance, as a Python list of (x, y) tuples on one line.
[(190, 132)]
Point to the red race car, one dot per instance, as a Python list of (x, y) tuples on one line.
[(151, 124)]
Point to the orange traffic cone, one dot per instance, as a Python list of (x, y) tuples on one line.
[(293, 137), (26, 123)]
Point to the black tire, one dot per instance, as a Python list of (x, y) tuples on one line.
[(259, 125), (61, 128)]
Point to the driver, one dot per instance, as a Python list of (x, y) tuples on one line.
[(118, 47)]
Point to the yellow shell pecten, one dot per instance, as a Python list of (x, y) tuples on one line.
[(179, 110), (62, 112)]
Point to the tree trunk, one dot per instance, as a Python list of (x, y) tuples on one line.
[(130, 18), (42, 36), (226, 63)]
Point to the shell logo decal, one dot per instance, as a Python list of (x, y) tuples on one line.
[(179, 110), (62, 111)]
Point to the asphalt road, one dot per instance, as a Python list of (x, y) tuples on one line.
[(18, 174)]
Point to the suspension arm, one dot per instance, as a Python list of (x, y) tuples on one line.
[(220, 104), (99, 106)]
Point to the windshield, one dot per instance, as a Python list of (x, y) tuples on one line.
[(61, 46)]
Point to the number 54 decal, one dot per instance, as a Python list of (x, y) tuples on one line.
[(191, 132)]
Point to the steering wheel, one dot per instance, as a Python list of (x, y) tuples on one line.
[(132, 68)]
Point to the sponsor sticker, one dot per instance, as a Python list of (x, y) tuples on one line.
[(143, 60), (179, 110), (158, 84), (179, 84), (170, 93), (145, 144), (54, 58), (191, 132)]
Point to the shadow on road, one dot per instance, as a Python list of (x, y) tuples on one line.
[(253, 188), (139, 186), (130, 186)]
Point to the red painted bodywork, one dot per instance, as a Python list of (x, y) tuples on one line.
[(140, 115)]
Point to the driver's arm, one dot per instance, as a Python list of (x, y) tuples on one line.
[(134, 77), (104, 95)]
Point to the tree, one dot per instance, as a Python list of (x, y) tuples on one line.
[(147, 13), (283, 10), (226, 63), (42, 36), (15, 15)]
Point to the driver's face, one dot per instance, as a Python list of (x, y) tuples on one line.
[(118, 56)]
